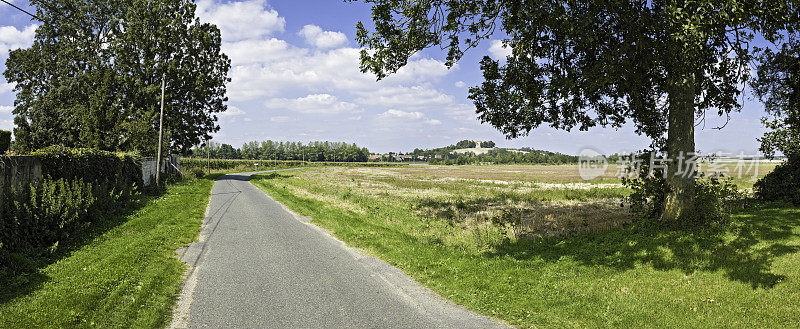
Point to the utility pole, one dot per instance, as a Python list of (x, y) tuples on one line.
[(160, 131)]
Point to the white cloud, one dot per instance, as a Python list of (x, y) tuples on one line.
[(419, 97), (315, 36), (259, 51), (6, 87), (398, 115), (320, 72), (231, 112), (6, 109), (498, 51), (280, 119), (315, 103), (460, 84), (12, 38), (241, 20)]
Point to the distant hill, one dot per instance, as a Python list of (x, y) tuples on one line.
[(483, 150)]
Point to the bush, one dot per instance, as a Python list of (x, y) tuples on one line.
[(715, 197), (79, 187), (94, 166), (782, 184), (5, 141), (197, 172)]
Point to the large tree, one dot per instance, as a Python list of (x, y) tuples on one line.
[(577, 64), (92, 77), (777, 84)]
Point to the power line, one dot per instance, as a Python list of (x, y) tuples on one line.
[(22, 10)]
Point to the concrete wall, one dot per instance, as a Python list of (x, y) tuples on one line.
[(17, 171), (169, 165)]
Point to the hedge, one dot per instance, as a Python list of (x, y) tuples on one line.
[(78, 187)]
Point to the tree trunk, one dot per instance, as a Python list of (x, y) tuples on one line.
[(680, 145)]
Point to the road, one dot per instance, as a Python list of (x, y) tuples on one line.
[(257, 265)]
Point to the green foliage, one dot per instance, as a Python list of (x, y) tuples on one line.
[(782, 184), (465, 144), (91, 165), (5, 141), (92, 77), (79, 187), (272, 150), (197, 172), (487, 144), (715, 197), (777, 85), (596, 62), (122, 275), (501, 156)]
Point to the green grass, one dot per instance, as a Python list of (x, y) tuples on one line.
[(744, 275), (123, 275)]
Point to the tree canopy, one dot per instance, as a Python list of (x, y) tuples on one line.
[(778, 86), (578, 64), (92, 77)]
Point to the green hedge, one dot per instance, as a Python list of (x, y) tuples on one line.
[(78, 187), (91, 165)]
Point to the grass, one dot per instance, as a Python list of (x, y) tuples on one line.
[(743, 275), (123, 275)]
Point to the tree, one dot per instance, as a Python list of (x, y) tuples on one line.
[(92, 77), (658, 64), (777, 84), (488, 144)]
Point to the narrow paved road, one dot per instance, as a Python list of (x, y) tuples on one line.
[(257, 265)]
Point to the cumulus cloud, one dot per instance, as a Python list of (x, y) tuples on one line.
[(231, 112), (6, 87), (399, 115), (315, 36), (460, 84), (258, 51), (498, 50), (12, 38), (6, 108), (315, 103), (323, 71), (250, 19)]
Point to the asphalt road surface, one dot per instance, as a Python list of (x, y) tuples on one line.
[(257, 265)]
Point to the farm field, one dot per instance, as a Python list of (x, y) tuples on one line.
[(536, 246)]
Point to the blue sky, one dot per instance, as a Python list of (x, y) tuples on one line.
[(295, 78)]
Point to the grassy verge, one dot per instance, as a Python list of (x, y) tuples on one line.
[(123, 275), (745, 275)]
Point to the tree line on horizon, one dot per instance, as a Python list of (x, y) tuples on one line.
[(278, 150)]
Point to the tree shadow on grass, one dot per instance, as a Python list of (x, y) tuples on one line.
[(20, 272), (744, 251)]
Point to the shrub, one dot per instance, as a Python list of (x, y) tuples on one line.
[(197, 172), (782, 184), (91, 165), (5, 141), (715, 197), (79, 187)]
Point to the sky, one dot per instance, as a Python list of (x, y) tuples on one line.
[(295, 77)]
